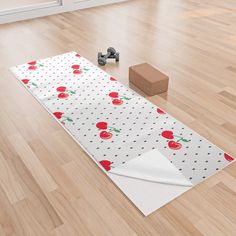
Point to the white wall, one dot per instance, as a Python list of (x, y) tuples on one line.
[(49, 9)]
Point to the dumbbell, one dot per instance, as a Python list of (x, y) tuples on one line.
[(111, 54)]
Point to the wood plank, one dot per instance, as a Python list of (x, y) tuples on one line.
[(10, 185), (31, 161)]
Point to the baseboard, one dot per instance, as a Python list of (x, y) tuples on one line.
[(40, 11)]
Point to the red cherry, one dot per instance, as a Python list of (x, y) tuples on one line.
[(32, 67), (61, 89), (167, 134), (114, 95), (77, 55), (105, 164), (32, 63), (75, 67), (63, 95), (174, 145), (105, 135), (160, 111), (112, 79), (117, 102), (25, 81), (58, 114), (77, 72), (101, 125), (228, 157)]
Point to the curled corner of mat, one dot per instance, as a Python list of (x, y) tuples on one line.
[(152, 166)]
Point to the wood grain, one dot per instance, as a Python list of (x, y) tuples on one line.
[(49, 186)]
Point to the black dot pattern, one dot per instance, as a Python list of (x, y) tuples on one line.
[(134, 126)]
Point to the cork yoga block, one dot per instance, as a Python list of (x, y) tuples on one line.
[(148, 79)]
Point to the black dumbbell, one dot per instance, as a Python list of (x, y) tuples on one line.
[(111, 54)]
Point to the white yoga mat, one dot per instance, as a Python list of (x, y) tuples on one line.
[(150, 156)]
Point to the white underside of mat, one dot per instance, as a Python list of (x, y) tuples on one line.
[(150, 181), (152, 166), (147, 196)]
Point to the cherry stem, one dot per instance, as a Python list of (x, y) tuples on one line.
[(179, 140), (66, 118), (71, 92), (182, 139), (113, 129), (124, 98), (34, 84)]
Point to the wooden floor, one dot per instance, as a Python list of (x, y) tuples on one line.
[(48, 185)]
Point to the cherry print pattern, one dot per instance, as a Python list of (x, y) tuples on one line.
[(142, 122), (114, 95), (33, 65), (75, 67), (61, 89), (113, 79), (106, 164), (228, 157), (59, 115), (174, 145), (63, 95), (106, 134), (64, 92), (117, 102), (160, 111), (167, 134), (29, 83), (101, 125), (77, 70), (117, 99)]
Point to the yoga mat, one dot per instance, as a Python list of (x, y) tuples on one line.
[(138, 145)]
